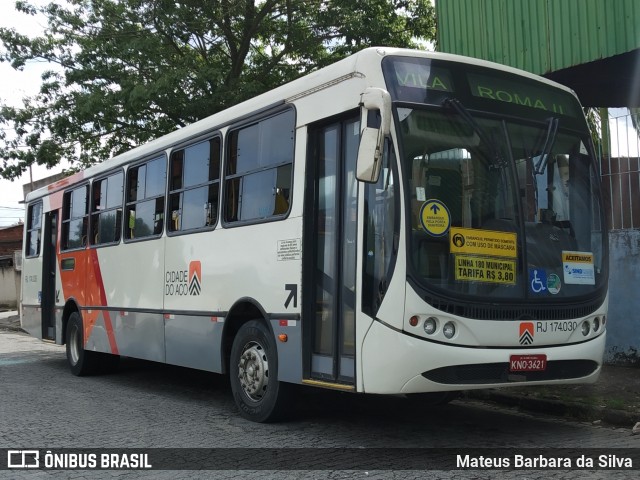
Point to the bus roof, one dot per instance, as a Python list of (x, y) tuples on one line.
[(357, 63)]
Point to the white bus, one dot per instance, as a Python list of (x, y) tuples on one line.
[(401, 222)]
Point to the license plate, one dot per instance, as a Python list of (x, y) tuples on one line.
[(527, 363)]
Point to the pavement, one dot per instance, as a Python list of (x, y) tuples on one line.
[(614, 399)]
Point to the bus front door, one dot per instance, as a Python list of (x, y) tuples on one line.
[(330, 263), (49, 275)]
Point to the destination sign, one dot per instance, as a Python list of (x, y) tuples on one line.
[(522, 94), (431, 81), (422, 76)]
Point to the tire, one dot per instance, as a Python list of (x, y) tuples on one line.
[(81, 361), (253, 372)]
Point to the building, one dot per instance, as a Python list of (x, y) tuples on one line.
[(593, 47), (10, 256)]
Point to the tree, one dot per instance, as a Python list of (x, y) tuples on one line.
[(132, 70)]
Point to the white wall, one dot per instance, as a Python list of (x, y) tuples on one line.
[(623, 324), (9, 286)]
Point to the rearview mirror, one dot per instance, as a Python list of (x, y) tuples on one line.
[(375, 123)]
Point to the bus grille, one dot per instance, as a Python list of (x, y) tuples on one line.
[(486, 373), (506, 312)]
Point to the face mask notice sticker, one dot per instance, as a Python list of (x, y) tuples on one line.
[(473, 241)]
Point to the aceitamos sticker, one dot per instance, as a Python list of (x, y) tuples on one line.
[(578, 268)]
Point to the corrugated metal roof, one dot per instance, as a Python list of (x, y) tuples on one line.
[(538, 35)]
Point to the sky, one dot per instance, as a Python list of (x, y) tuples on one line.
[(16, 85)]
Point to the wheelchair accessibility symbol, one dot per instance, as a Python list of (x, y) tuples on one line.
[(537, 280)]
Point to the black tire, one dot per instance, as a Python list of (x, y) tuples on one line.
[(81, 361), (253, 372)]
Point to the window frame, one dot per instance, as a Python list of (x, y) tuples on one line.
[(30, 229), (209, 137), (127, 204), (64, 234), (245, 123), (97, 213)]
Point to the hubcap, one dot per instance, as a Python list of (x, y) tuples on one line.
[(74, 345), (253, 371)]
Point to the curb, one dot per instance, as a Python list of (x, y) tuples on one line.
[(577, 411), (11, 324), (11, 328)]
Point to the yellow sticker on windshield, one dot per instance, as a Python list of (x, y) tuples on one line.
[(435, 217), (485, 269), (472, 241)]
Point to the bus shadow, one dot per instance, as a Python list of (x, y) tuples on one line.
[(307, 404)]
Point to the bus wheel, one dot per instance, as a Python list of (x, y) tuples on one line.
[(259, 395), (81, 362)]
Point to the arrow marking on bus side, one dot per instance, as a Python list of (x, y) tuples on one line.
[(293, 294)]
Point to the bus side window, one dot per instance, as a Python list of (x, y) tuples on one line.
[(145, 198), (75, 218), (106, 210), (380, 236), (194, 188), (34, 230), (258, 171)]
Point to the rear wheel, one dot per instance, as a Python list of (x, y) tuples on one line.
[(81, 362), (259, 395)]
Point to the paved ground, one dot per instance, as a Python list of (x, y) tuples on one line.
[(614, 399), (148, 405)]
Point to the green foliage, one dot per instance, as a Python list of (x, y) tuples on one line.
[(593, 120), (132, 70)]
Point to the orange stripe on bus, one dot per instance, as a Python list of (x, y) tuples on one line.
[(103, 300)]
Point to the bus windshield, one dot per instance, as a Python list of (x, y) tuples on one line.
[(500, 207), (503, 191)]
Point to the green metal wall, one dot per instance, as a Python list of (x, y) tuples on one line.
[(538, 35)]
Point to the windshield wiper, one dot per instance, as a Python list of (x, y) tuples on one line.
[(467, 117), (552, 130)]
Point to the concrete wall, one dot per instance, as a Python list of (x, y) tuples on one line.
[(623, 324), (9, 286)]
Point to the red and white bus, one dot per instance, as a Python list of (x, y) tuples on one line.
[(400, 222)]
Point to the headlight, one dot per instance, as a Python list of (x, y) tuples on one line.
[(585, 328), (430, 325), (449, 330)]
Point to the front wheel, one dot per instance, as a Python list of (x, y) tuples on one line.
[(259, 395)]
